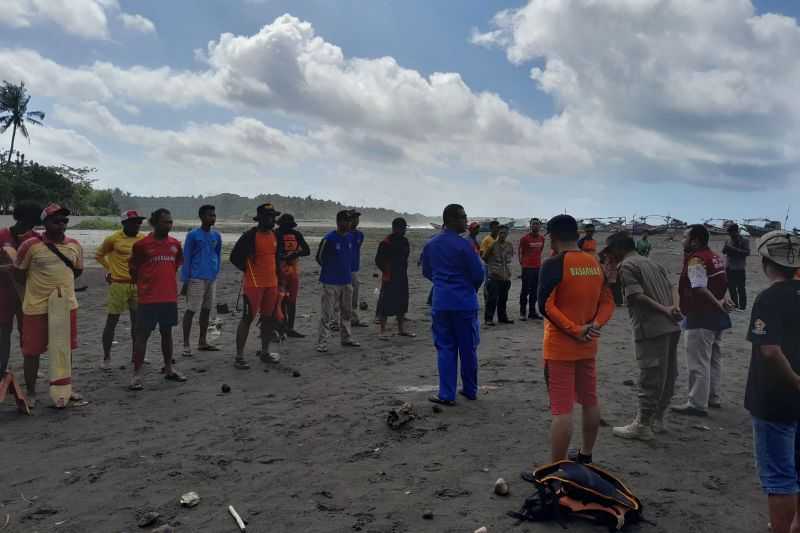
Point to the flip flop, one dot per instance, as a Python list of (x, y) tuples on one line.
[(187, 352), (528, 476), (136, 386), (437, 400), (75, 397), (407, 334), (208, 348), (174, 376), (241, 364)]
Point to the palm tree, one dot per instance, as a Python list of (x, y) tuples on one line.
[(14, 111)]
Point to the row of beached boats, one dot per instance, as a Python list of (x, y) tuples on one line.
[(755, 227)]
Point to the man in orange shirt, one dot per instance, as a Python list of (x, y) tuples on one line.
[(257, 253), (576, 302)]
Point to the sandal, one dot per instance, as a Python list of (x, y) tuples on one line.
[(175, 376), (241, 364), (437, 400), (136, 386), (187, 351), (208, 348), (407, 334)]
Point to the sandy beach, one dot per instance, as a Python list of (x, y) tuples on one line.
[(303, 446)]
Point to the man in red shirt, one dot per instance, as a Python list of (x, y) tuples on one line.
[(154, 263), (530, 259), (27, 216)]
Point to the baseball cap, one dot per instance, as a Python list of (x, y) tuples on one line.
[(265, 209), (354, 213), (781, 247), (54, 209), (473, 225), (617, 239), (131, 215), (563, 226)]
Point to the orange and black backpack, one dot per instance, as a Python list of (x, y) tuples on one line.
[(567, 489)]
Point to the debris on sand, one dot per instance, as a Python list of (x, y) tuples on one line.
[(401, 416), (482, 530), (190, 499), (363, 306), (428, 514), (501, 487), (225, 388), (295, 374), (148, 519), (239, 522), (437, 409), (628, 383)]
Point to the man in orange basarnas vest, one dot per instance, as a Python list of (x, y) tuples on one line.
[(703, 286), (294, 247), (587, 243), (576, 302)]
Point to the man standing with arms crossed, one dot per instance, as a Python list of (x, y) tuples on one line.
[(44, 264), (202, 252), (531, 246), (655, 315), (703, 286), (577, 303), (335, 256), (773, 382), (258, 253), (737, 250), (450, 263), (154, 265), (113, 255)]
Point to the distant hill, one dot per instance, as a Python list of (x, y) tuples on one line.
[(235, 207)]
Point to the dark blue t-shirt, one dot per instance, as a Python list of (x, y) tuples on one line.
[(336, 258), (358, 239)]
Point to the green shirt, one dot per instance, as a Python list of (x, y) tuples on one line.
[(643, 247)]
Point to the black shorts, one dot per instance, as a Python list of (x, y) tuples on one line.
[(164, 315)]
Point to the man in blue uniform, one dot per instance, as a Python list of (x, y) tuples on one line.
[(451, 263)]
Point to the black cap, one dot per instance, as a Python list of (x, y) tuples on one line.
[(286, 220), (346, 214), (563, 227), (265, 209), (620, 238), (354, 213)]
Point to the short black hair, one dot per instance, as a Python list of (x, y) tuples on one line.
[(502, 227), (156, 215), (700, 233), (399, 222), (28, 212), (733, 228), (451, 212), (341, 216), (494, 223), (204, 208)]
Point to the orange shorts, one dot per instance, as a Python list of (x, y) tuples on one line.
[(571, 381), (35, 333), (262, 300)]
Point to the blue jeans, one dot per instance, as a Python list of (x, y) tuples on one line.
[(456, 337), (777, 450)]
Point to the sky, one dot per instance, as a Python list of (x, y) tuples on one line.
[(511, 108)]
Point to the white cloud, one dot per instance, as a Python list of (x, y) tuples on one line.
[(84, 18), (137, 23), (49, 145), (699, 91)]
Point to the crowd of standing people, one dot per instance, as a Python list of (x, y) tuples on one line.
[(575, 290)]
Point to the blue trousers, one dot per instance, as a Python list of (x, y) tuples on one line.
[(456, 334)]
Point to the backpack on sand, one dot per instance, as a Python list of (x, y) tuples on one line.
[(568, 489)]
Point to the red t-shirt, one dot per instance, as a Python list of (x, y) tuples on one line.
[(530, 251), (7, 240), (153, 265)]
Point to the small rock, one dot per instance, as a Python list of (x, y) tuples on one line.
[(628, 383), (482, 530), (427, 514), (148, 519), (295, 374), (191, 499), (437, 409), (501, 487), (226, 388)]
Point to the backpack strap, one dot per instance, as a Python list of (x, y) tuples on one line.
[(53, 248)]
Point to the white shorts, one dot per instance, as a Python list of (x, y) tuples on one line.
[(201, 294)]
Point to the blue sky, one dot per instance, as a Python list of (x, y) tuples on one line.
[(651, 107)]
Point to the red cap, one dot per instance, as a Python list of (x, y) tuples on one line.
[(54, 209), (131, 215)]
